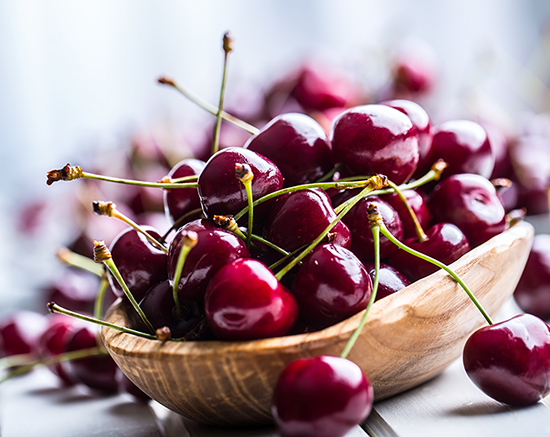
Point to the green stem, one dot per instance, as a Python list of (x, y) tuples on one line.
[(100, 298), (192, 177), (216, 141), (250, 200), (79, 261), (179, 222), (269, 244), (170, 185), (353, 339), (182, 256), (420, 234)]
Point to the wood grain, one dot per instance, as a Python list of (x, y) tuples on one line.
[(409, 338)]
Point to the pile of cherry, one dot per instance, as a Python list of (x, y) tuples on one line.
[(293, 262)]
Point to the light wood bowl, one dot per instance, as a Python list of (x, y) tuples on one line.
[(409, 338)]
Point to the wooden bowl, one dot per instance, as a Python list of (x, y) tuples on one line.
[(409, 338)]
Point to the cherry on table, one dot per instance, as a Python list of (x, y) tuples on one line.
[(20, 332)]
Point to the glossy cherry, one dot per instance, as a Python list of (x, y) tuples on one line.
[(464, 145), (533, 290), (470, 202), (330, 286), (221, 193), (180, 201), (297, 218), (323, 396), (141, 264), (298, 145), (244, 301), (390, 280), (215, 247), (20, 332), (510, 361), (445, 242), (374, 139), (418, 204)]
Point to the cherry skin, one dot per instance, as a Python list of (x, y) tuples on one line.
[(419, 205), (445, 242), (532, 293), (215, 248), (221, 193), (390, 280), (510, 361), (470, 202), (298, 145), (321, 396), (330, 286), (464, 146), (140, 264), (96, 372), (20, 333), (297, 218), (178, 202), (374, 139), (244, 301)]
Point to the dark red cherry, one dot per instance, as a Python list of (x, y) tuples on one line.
[(215, 247), (374, 139), (178, 202), (127, 386), (322, 396), (245, 301), (221, 193), (362, 243), (298, 217), (445, 242), (470, 202), (330, 286), (390, 280), (20, 332), (414, 69), (96, 372), (421, 121), (419, 206), (510, 361), (533, 291), (298, 145), (140, 264), (464, 145)]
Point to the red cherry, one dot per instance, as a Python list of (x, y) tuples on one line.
[(321, 397), (390, 280), (330, 286), (180, 201), (510, 361), (374, 139), (244, 301), (419, 206), (20, 333)]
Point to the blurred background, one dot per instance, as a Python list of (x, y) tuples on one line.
[(78, 84)]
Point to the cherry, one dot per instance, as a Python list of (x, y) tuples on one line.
[(298, 145), (470, 202), (244, 301), (178, 202), (321, 396), (374, 139), (421, 121), (127, 386), (464, 146), (215, 248), (20, 333), (390, 280), (510, 361), (221, 193), (533, 290), (141, 264), (96, 372), (362, 243), (419, 206), (298, 217), (330, 286), (444, 242)]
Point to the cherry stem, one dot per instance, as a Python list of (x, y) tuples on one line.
[(100, 298), (284, 259), (102, 254), (82, 262), (373, 212), (375, 182), (208, 107), (54, 308), (355, 335), (420, 234), (227, 47), (70, 173), (50, 361), (322, 185), (109, 209), (189, 240), (243, 172), (192, 177), (179, 222)]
